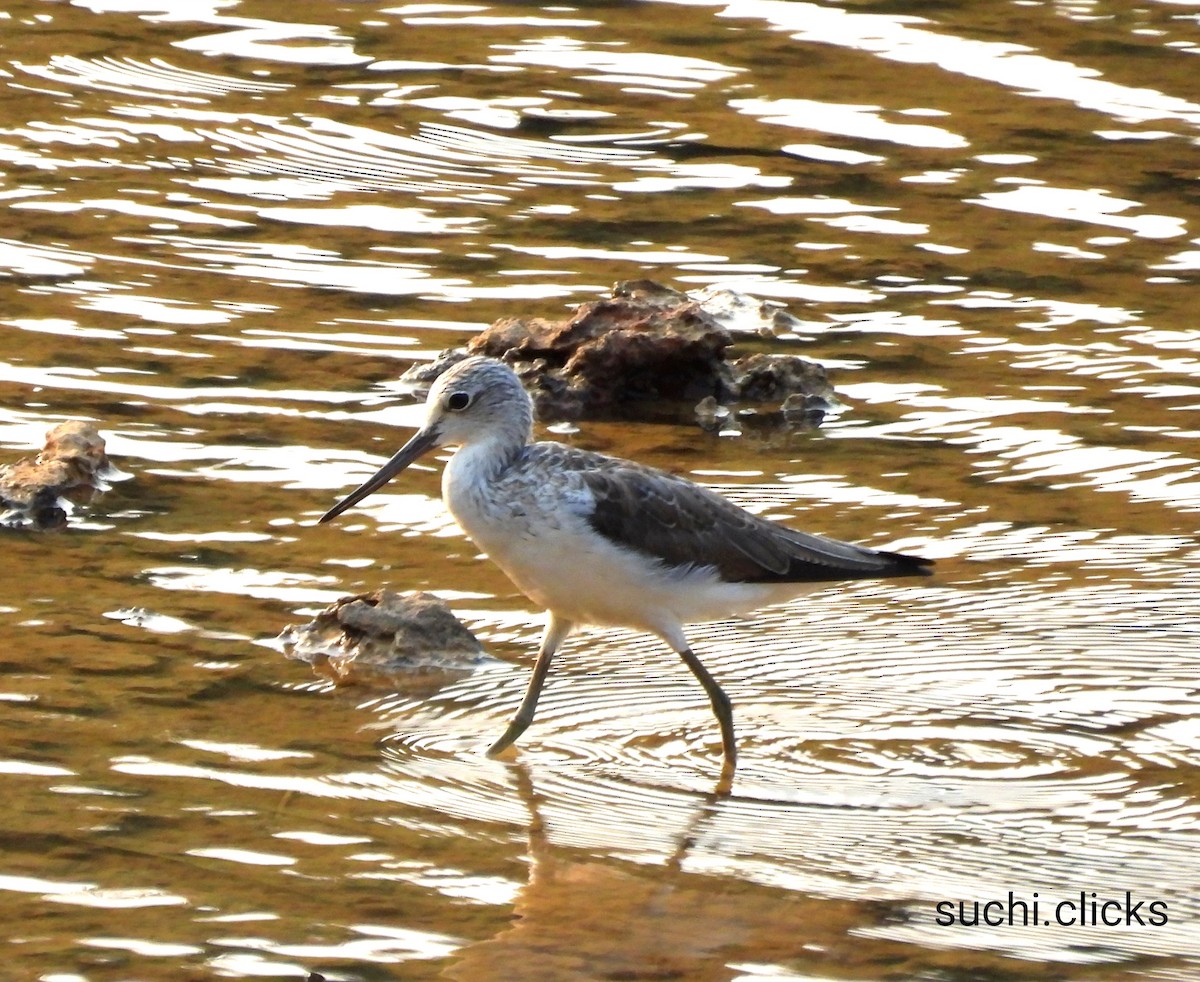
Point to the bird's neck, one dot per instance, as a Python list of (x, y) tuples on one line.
[(476, 466)]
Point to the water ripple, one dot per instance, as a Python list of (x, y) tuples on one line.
[(154, 77)]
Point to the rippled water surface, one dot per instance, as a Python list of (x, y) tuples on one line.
[(229, 226)]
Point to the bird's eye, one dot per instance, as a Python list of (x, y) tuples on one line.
[(458, 401)]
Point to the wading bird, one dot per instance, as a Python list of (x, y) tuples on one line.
[(599, 540)]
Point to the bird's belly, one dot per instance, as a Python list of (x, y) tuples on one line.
[(587, 580)]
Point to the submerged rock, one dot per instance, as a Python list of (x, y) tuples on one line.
[(767, 318), (72, 464), (383, 632), (648, 344), (799, 387)]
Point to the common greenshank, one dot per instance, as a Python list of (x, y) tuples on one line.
[(599, 540)]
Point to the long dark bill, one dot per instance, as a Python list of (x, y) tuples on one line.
[(422, 440)]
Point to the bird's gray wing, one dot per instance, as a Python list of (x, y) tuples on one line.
[(683, 524)]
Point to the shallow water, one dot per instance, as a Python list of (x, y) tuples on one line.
[(229, 227)]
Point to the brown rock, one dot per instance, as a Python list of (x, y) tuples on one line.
[(72, 463), (383, 632), (773, 378), (646, 345)]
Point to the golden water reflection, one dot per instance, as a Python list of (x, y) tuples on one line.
[(231, 227)]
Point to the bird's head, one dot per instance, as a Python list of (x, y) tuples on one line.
[(475, 400)]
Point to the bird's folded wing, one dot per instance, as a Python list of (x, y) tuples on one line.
[(683, 524)]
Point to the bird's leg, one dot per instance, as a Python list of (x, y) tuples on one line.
[(556, 630), (721, 705)]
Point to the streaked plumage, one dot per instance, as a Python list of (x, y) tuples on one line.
[(599, 540)]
